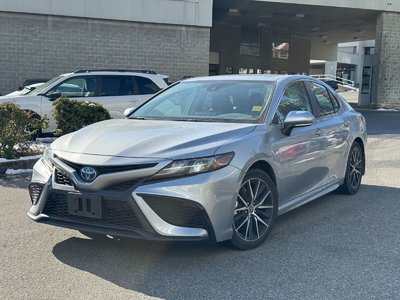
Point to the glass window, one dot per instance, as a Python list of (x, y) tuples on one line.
[(335, 102), (83, 86), (40, 89), (369, 50), (117, 86), (280, 45), (210, 100), (146, 86), (323, 99), (250, 41), (295, 98)]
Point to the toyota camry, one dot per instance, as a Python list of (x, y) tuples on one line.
[(207, 158)]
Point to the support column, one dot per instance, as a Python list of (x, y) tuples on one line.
[(331, 68), (386, 76)]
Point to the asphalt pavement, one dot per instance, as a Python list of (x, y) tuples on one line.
[(337, 247)]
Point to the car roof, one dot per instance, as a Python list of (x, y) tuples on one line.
[(255, 77), (111, 73)]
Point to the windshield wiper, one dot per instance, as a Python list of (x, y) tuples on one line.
[(139, 118)]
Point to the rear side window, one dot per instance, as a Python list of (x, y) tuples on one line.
[(295, 98), (326, 103), (146, 86), (117, 86)]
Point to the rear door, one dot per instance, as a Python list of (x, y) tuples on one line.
[(300, 156), (119, 92), (335, 127)]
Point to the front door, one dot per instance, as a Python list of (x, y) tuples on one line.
[(300, 156)]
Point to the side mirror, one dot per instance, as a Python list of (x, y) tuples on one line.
[(297, 119), (54, 95), (128, 111)]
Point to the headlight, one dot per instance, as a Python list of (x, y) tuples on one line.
[(187, 167), (47, 158)]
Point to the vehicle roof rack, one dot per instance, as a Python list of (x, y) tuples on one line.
[(116, 70)]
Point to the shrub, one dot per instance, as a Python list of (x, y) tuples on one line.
[(17, 126), (71, 115)]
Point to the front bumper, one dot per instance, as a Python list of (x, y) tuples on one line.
[(189, 208)]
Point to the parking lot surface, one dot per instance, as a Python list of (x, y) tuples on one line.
[(337, 247)]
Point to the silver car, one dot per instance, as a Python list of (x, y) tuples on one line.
[(207, 158)]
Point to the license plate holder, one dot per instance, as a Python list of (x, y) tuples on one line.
[(83, 205)]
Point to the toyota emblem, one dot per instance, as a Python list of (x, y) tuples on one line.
[(88, 174)]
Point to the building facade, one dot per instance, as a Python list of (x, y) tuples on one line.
[(41, 39)]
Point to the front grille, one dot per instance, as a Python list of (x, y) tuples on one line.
[(116, 213), (109, 169), (122, 186), (177, 212), (35, 189), (61, 178)]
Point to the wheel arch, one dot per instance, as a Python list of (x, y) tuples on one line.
[(266, 167), (33, 114)]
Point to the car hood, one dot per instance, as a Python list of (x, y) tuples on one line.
[(151, 138)]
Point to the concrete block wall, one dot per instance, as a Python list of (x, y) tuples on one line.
[(386, 80), (39, 46)]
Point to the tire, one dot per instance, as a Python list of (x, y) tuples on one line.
[(354, 170), (255, 210)]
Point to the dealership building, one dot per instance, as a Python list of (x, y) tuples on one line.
[(44, 38)]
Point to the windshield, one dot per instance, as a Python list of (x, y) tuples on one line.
[(43, 87), (210, 100)]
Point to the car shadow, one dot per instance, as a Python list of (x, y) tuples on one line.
[(332, 224)]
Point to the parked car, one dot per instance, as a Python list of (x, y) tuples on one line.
[(33, 81), (332, 83), (215, 157), (25, 90), (115, 90)]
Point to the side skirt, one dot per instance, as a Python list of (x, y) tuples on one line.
[(319, 192)]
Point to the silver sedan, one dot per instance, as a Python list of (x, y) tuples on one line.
[(207, 158)]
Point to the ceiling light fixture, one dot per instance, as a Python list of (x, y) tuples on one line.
[(234, 12)]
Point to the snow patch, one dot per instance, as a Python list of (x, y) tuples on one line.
[(21, 158), (387, 109), (18, 171)]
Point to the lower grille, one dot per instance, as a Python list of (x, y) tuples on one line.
[(176, 211), (122, 186), (116, 213)]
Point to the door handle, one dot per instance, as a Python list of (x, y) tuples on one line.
[(319, 132), (346, 123)]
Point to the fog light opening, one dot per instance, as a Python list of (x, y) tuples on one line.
[(35, 190)]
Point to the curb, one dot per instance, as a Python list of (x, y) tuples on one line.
[(17, 164)]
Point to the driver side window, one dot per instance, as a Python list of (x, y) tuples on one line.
[(294, 98), (76, 87)]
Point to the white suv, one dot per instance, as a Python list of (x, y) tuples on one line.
[(116, 90)]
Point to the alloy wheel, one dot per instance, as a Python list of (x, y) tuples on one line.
[(355, 165), (253, 210)]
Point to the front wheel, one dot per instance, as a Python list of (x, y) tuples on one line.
[(255, 210), (354, 170)]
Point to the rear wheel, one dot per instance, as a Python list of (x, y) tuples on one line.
[(354, 170), (255, 211)]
